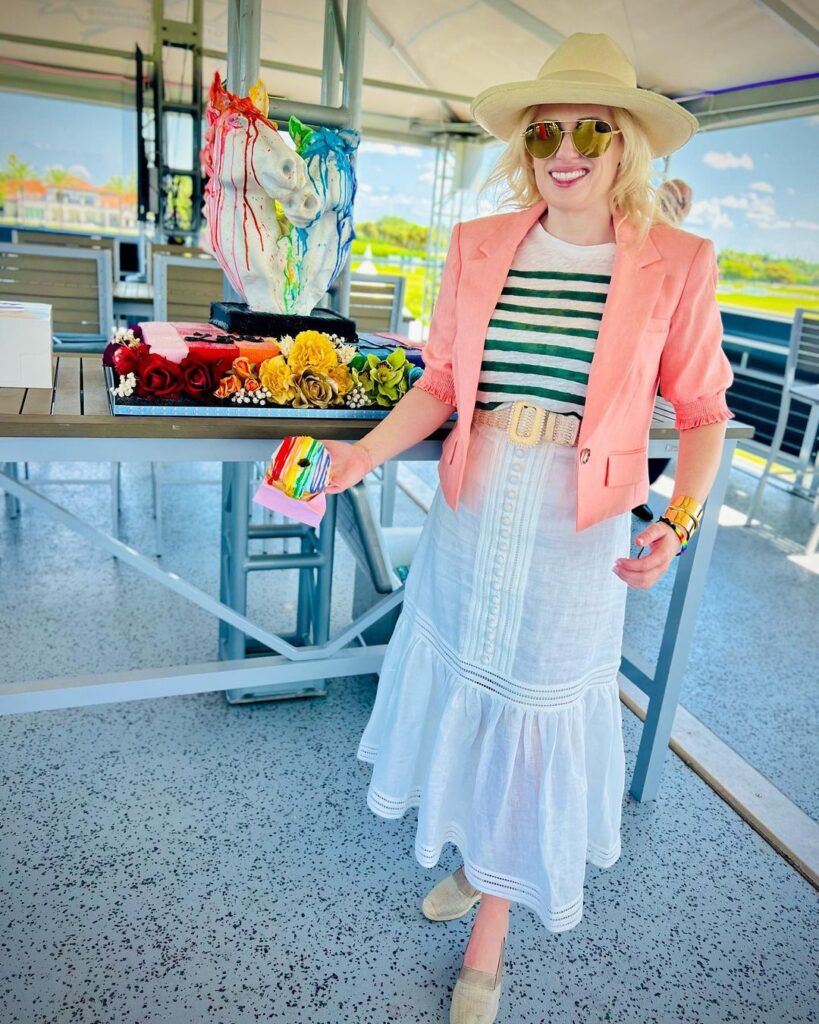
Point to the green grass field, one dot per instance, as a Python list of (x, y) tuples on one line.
[(779, 299)]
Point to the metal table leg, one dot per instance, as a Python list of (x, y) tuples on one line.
[(12, 502), (314, 592), (664, 688)]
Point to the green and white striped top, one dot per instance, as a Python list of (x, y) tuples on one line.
[(540, 340)]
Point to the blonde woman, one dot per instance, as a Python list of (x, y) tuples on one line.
[(497, 711)]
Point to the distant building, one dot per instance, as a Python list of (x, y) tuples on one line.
[(71, 204)]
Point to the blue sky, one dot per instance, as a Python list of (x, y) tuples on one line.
[(752, 186), (92, 141)]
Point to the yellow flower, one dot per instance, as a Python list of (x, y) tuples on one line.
[(312, 350), (277, 377), (268, 364), (341, 375), (314, 390)]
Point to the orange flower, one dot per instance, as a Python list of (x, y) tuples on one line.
[(242, 367), (228, 386), (251, 385)]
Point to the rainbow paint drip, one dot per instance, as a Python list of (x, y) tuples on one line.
[(295, 480)]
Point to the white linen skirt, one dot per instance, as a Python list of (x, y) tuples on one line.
[(497, 712)]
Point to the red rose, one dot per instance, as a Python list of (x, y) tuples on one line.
[(158, 377), (126, 359), (198, 379)]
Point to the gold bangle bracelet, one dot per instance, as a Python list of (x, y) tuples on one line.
[(688, 504), (682, 517)]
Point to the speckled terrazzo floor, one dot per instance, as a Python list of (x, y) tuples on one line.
[(182, 860)]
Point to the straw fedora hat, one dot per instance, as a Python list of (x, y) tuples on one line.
[(587, 67)]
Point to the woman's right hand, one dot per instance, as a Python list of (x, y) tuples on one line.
[(349, 463)]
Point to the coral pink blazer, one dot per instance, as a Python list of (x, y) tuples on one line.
[(661, 326)]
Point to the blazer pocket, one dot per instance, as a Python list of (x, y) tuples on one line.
[(626, 467), (657, 325)]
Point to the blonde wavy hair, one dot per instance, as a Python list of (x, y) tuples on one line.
[(632, 192)]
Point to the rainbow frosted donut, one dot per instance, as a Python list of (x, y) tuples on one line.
[(300, 467)]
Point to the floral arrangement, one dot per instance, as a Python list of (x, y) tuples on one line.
[(313, 370)]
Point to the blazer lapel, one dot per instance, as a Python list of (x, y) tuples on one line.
[(637, 276)]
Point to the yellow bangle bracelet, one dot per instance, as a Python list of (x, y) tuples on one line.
[(680, 518), (685, 503)]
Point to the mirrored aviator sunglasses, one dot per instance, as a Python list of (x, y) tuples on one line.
[(591, 137)]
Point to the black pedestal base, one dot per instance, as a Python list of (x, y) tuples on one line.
[(236, 318)]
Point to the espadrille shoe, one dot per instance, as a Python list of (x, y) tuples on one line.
[(450, 898), (476, 996)]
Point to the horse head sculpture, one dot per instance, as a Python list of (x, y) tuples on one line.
[(279, 220)]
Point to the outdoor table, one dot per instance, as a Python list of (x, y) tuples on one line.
[(72, 422)]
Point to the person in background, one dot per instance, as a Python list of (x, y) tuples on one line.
[(676, 196)]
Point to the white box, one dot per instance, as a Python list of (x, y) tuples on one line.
[(25, 345)]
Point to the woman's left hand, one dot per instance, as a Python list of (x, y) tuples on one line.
[(644, 572)]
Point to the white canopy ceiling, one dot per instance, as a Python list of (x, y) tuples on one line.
[(425, 60)]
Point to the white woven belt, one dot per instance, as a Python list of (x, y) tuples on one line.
[(529, 424)]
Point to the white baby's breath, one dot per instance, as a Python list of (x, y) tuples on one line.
[(125, 336), (126, 386)]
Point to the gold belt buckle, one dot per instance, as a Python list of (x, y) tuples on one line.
[(535, 416)]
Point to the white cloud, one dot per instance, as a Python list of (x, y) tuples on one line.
[(390, 149), (734, 202), (791, 191), (759, 210), (709, 213), (80, 170), (364, 186), (726, 161), (426, 171), (761, 186)]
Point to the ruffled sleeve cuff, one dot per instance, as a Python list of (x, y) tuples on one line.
[(438, 383), (702, 411)]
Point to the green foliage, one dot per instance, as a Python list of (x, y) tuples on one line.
[(56, 176), (752, 266), (17, 170), (393, 231), (386, 380), (179, 202)]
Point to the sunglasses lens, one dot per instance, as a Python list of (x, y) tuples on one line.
[(592, 138), (543, 139)]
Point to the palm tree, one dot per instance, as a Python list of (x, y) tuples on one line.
[(17, 170), (116, 184), (58, 176)]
